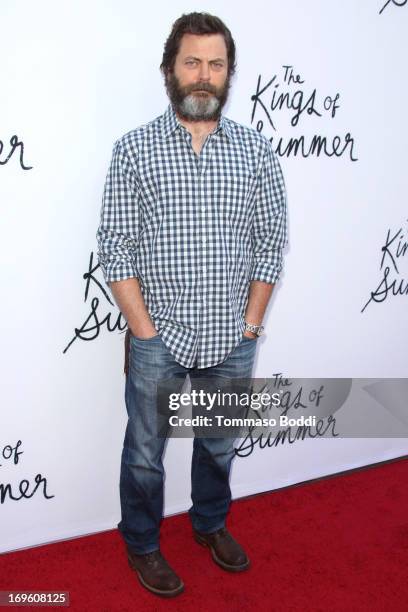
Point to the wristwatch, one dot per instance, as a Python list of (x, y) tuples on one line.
[(255, 329)]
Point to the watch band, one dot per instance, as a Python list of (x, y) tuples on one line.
[(255, 329)]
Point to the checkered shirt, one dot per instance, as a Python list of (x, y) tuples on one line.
[(194, 229)]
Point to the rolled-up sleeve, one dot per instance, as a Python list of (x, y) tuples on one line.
[(117, 233), (269, 229)]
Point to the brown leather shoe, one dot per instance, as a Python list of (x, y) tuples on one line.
[(225, 551), (155, 574)]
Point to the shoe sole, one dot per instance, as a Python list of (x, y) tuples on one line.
[(147, 586), (218, 561)]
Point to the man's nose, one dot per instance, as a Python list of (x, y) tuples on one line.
[(204, 74)]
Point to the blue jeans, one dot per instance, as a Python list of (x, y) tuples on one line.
[(142, 472)]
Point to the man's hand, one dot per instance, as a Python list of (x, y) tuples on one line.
[(144, 333), (249, 334)]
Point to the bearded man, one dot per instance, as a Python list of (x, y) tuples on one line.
[(190, 241)]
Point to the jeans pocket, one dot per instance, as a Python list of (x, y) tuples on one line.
[(144, 339)]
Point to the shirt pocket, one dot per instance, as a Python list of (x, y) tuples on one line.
[(236, 196)]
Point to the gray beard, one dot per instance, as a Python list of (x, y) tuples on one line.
[(199, 108)]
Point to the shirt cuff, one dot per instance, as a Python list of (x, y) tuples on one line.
[(118, 270), (265, 272)]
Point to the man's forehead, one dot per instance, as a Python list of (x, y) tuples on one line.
[(204, 44)]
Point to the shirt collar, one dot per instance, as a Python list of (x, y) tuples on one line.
[(171, 123)]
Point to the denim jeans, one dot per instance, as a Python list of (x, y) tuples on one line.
[(142, 472)]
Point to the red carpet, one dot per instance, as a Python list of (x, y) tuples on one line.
[(338, 544)]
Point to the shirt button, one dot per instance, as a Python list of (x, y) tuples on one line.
[(203, 209), (204, 271)]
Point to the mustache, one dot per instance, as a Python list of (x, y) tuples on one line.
[(202, 87)]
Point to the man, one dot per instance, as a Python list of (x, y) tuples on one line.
[(192, 229)]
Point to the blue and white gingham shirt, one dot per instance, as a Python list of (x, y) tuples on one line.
[(195, 230)]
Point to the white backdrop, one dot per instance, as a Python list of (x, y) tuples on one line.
[(75, 77)]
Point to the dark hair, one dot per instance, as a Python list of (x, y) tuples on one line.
[(196, 23)]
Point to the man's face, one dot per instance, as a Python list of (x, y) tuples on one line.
[(198, 86)]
